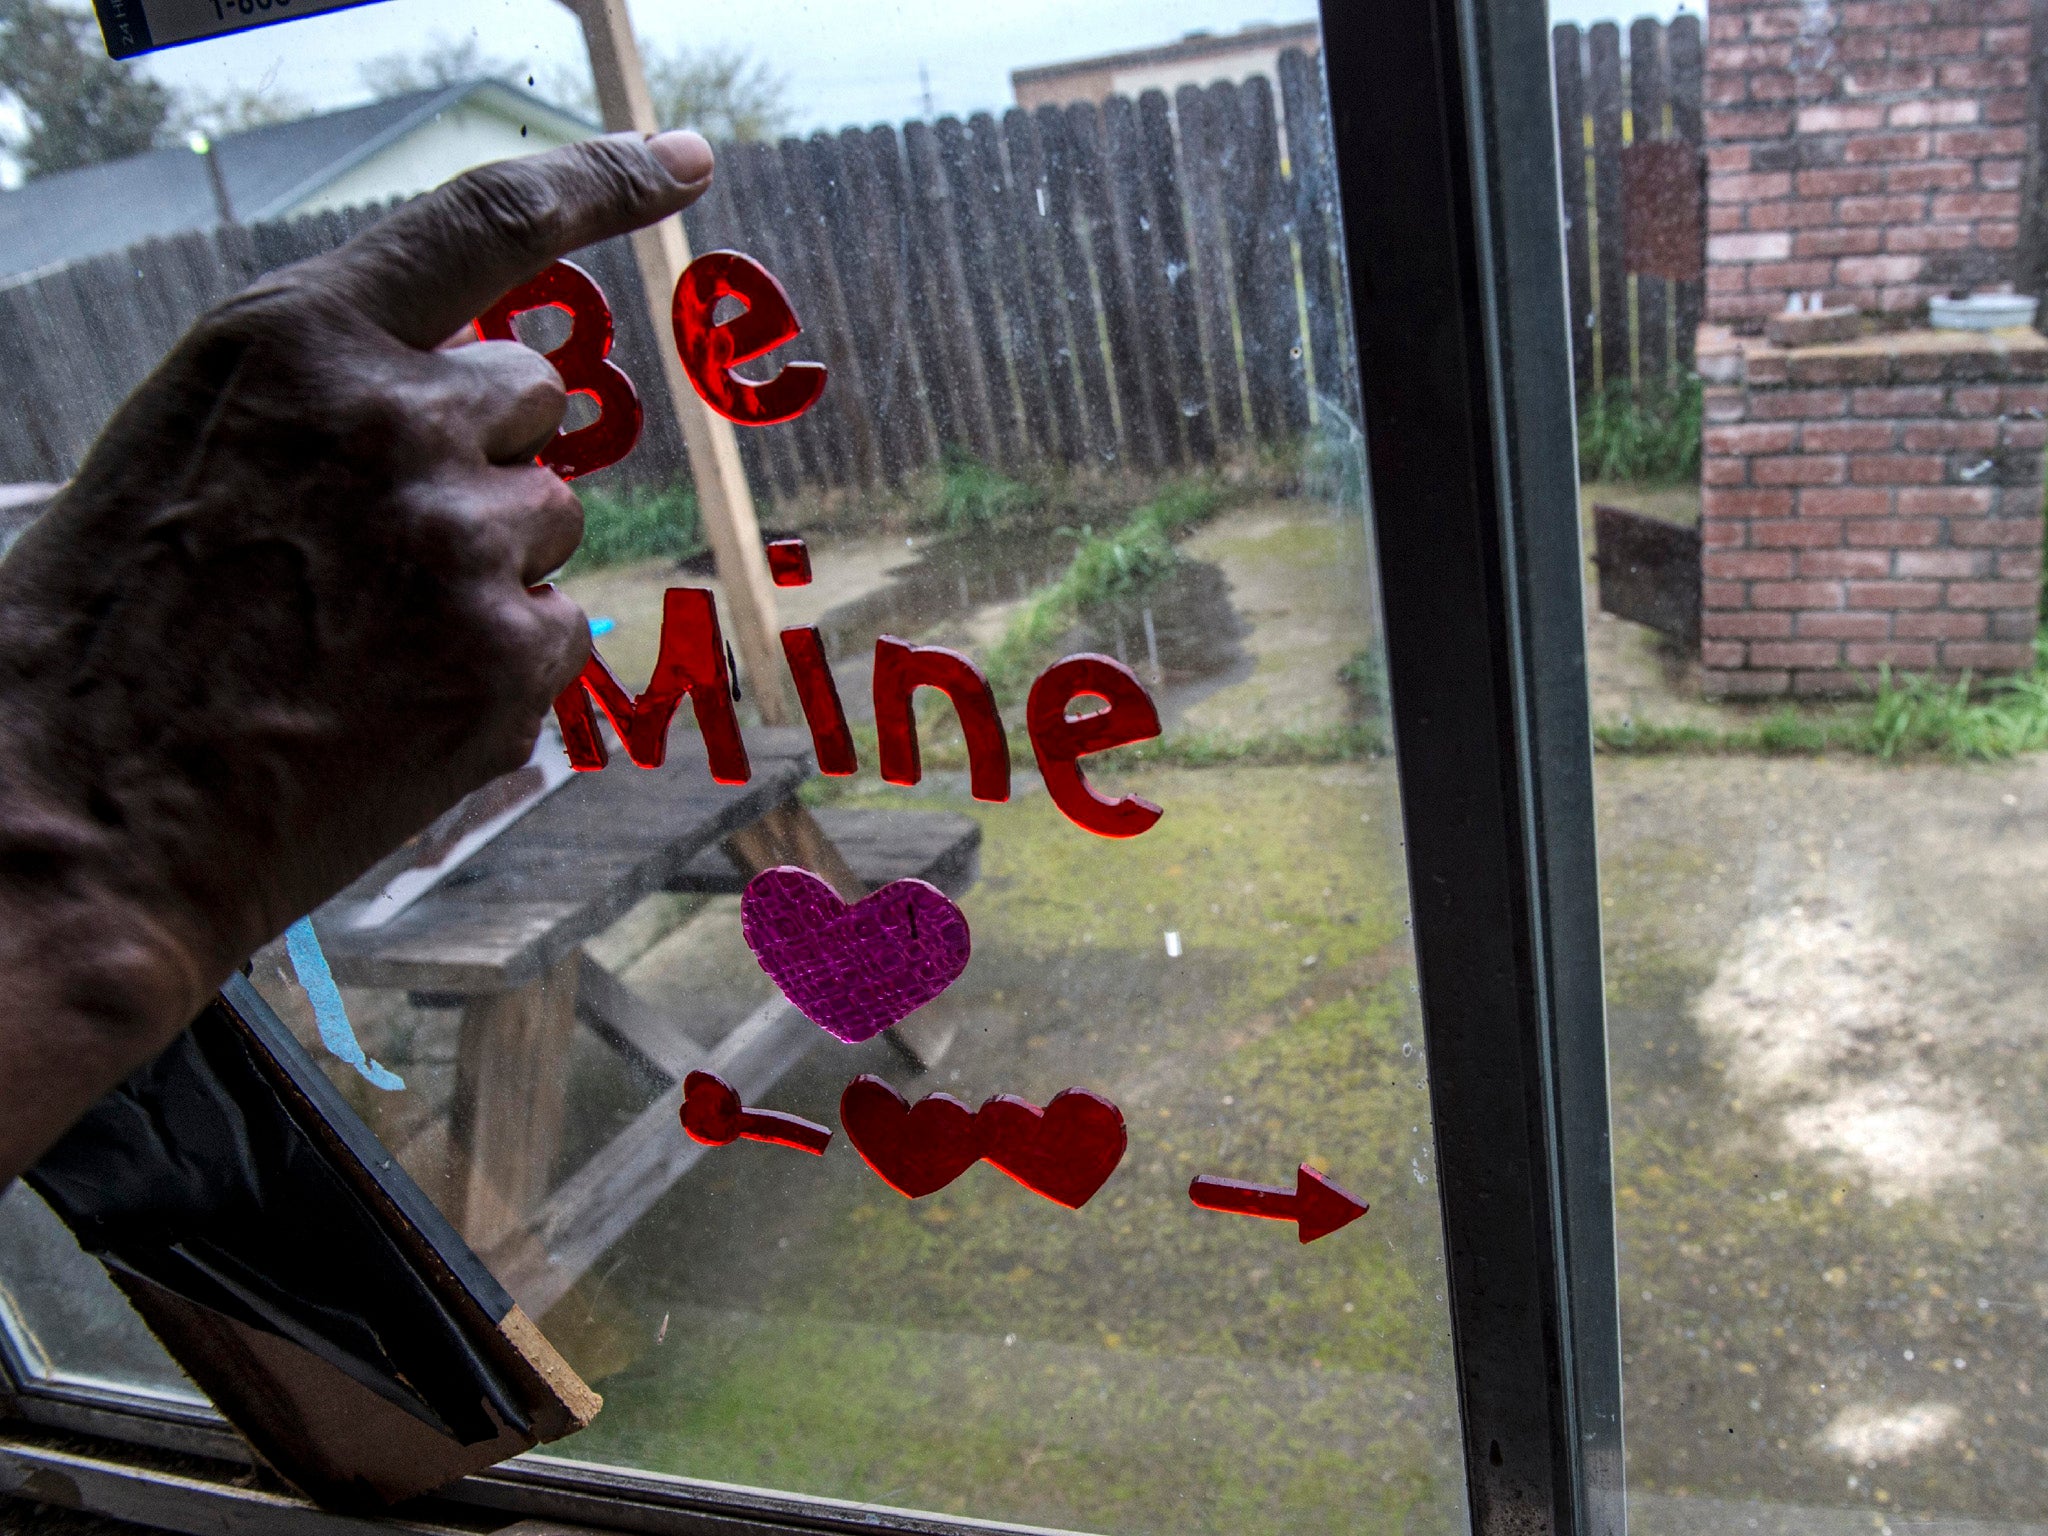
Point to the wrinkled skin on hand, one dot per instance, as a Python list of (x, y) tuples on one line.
[(281, 619)]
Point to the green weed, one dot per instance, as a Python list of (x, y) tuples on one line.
[(2000, 719), (1651, 434), (944, 750), (1106, 568), (1268, 749), (1365, 675), (1786, 733), (1908, 716), (965, 495), (636, 523)]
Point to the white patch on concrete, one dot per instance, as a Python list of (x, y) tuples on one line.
[(1866, 1433), (1911, 1134), (1822, 1017), (1802, 991)]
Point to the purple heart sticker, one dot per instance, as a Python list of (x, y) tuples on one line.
[(853, 970)]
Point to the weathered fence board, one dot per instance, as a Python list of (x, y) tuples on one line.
[(1076, 289), (1311, 173), (1190, 398), (1687, 62), (1138, 229), (1609, 97), (1610, 277), (1571, 167), (1135, 442), (1208, 246), (1040, 258), (1647, 93), (1145, 283)]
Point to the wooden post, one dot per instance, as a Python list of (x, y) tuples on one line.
[(511, 1102), (662, 250)]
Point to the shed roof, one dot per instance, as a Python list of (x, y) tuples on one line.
[(1193, 47)]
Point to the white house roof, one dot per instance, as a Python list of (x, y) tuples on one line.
[(268, 172)]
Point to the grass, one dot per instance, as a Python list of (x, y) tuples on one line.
[(1106, 568), (965, 495), (1365, 675), (1649, 434), (636, 523), (1267, 749), (1907, 717), (1785, 733), (945, 751), (2007, 716)]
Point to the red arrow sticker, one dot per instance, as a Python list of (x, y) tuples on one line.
[(1315, 1205)]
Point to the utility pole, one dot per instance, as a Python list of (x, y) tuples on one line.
[(662, 251), (203, 147)]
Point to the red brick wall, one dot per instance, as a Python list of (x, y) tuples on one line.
[(1874, 502), (1870, 149)]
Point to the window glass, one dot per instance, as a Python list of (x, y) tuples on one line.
[(1090, 392), (63, 1321), (1817, 700)]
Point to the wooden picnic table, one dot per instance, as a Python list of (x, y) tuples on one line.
[(502, 939)]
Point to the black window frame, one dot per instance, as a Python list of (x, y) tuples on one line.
[(1443, 122)]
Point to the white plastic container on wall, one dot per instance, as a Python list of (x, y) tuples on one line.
[(1982, 312)]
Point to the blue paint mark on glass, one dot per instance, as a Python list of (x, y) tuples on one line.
[(336, 1033), (601, 627)]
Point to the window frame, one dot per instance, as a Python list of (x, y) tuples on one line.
[(1453, 231), (1446, 155)]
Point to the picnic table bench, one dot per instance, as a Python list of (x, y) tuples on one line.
[(502, 938)]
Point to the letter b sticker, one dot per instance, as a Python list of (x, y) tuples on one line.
[(711, 351)]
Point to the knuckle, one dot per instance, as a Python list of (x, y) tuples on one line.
[(516, 204), (519, 371), (534, 204), (626, 174), (541, 639), (269, 317)]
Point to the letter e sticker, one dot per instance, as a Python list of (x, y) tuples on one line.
[(710, 351)]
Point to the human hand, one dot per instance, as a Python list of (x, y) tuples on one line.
[(281, 618)]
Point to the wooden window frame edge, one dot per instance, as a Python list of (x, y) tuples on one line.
[(84, 1447)]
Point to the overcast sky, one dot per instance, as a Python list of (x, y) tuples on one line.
[(846, 62)]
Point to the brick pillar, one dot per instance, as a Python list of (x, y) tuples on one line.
[(1872, 150), (1868, 503)]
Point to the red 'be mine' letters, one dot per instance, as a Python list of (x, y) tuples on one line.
[(709, 350)]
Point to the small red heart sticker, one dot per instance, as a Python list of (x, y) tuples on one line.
[(1065, 1152), (915, 1149)]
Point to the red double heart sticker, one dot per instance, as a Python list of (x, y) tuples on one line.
[(1065, 1151)]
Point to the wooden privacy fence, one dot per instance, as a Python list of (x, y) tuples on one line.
[(1611, 104), (1149, 284), (1152, 283)]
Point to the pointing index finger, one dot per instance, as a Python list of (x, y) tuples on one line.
[(441, 260)]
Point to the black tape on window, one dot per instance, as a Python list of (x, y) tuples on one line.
[(198, 1175)]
